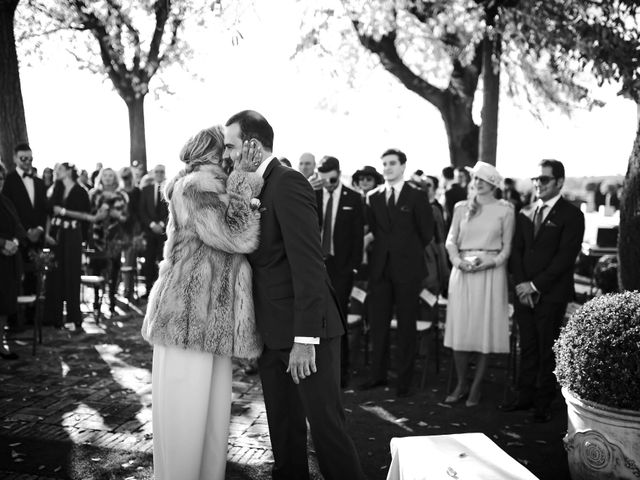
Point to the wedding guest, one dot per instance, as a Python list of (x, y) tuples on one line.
[(453, 193), (341, 215), (83, 179), (71, 206), (153, 214), (107, 241), (401, 223), (548, 239), (511, 194), (47, 177), (479, 244), (131, 226), (27, 193), (307, 167), (96, 172), (11, 234), (366, 179)]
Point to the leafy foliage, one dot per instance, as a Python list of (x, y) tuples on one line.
[(598, 352)]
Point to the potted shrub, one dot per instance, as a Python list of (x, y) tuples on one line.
[(598, 366)]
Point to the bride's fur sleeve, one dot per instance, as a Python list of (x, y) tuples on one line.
[(220, 215)]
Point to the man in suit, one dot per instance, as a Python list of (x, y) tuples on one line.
[(28, 194), (401, 222), (341, 216), (546, 243), (153, 214), (453, 193), (296, 312)]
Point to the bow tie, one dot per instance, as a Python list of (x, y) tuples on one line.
[(27, 174)]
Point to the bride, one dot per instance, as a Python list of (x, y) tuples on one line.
[(200, 312)]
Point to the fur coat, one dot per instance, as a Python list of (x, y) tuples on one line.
[(203, 299)]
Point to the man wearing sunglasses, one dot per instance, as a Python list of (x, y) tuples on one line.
[(546, 243), (29, 195), (341, 216)]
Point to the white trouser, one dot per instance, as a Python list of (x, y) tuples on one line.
[(191, 410)]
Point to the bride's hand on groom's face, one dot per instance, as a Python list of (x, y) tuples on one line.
[(250, 158)]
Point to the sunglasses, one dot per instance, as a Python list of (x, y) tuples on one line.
[(332, 180), (24, 159), (368, 179), (542, 179)]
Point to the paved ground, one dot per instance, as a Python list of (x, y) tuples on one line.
[(81, 409)]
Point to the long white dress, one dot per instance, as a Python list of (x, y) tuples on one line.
[(478, 307), (191, 412)]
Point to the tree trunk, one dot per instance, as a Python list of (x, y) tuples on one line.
[(491, 99), (13, 126), (137, 138), (462, 132), (628, 239)]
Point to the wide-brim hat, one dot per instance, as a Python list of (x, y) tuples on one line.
[(486, 172), (368, 171)]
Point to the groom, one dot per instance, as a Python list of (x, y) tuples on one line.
[(296, 312)]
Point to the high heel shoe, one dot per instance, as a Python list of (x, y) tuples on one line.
[(473, 402), (457, 398)]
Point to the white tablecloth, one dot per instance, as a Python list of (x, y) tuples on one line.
[(462, 456)]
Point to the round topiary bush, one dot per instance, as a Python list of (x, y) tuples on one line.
[(598, 352)]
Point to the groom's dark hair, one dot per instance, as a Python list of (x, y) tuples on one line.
[(253, 125)]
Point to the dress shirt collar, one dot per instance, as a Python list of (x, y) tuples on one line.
[(21, 171), (263, 166), (335, 194), (397, 188), (549, 203)]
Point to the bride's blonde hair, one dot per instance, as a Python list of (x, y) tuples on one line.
[(204, 148)]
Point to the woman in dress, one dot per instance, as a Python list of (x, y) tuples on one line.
[(11, 234), (200, 311), (71, 206), (479, 244)]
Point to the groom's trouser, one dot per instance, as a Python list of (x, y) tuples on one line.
[(191, 410), (318, 398)]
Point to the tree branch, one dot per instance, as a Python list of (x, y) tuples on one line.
[(388, 54), (161, 8)]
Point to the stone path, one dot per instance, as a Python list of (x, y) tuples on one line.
[(94, 389)]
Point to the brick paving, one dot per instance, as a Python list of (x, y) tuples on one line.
[(94, 388)]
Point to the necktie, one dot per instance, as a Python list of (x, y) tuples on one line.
[(158, 197), (326, 227), (391, 204), (537, 219)]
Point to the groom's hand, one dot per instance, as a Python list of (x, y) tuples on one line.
[(302, 361)]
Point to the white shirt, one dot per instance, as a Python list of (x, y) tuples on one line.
[(334, 211), (260, 171), (28, 184), (397, 189), (549, 204)]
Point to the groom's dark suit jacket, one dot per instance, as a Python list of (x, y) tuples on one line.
[(292, 291), (547, 259)]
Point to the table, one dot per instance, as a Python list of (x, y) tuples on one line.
[(464, 456)]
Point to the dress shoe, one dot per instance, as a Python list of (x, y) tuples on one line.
[(515, 406), (369, 384), (540, 415), (9, 356), (457, 398)]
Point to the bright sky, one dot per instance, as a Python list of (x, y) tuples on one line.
[(75, 116)]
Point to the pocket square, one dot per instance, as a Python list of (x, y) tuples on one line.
[(550, 223), (347, 208), (404, 208)]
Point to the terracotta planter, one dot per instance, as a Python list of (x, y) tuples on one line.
[(601, 442)]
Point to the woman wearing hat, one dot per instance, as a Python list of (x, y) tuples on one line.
[(366, 179), (479, 244)]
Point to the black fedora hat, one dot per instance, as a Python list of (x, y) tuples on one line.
[(368, 171)]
